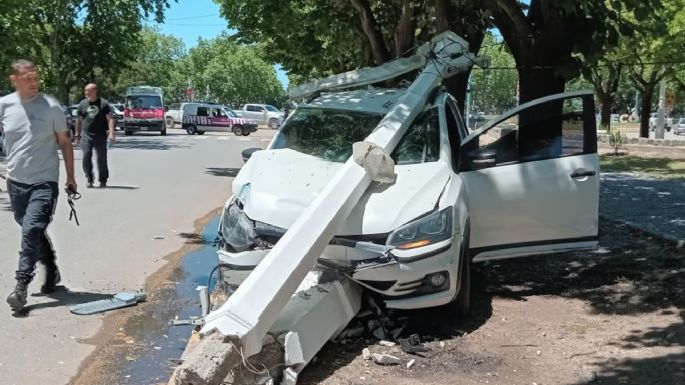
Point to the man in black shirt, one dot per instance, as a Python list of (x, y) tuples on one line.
[(93, 127)]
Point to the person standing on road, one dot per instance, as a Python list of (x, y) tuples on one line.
[(34, 127), (93, 126)]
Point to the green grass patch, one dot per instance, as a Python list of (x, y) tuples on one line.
[(659, 167)]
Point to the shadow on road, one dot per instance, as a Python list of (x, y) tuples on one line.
[(142, 143), (62, 297), (114, 187), (222, 172)]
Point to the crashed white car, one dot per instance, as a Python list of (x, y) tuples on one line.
[(526, 183)]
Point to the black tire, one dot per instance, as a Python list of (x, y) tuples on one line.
[(169, 122), (128, 133), (200, 132), (238, 130), (274, 124), (191, 130), (246, 133), (462, 303)]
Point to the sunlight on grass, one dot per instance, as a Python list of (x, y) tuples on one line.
[(658, 167)]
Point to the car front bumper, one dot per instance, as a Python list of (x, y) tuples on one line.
[(144, 125), (402, 278)]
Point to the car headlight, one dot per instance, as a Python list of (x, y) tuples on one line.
[(430, 229), (237, 230)]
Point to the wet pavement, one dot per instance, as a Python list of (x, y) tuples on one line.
[(650, 204), (157, 345)]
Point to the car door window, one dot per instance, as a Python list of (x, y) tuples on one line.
[(203, 111), (254, 108), (421, 142), (548, 129)]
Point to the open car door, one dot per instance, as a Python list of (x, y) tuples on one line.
[(531, 178)]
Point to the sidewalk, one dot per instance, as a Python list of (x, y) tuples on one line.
[(656, 206)]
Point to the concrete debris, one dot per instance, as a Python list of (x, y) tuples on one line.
[(413, 345), (289, 377), (366, 353), (293, 350), (442, 344), (410, 364), (538, 353), (386, 343), (379, 333), (158, 237), (385, 359), (375, 161)]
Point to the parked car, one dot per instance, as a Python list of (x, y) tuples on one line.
[(668, 122), (680, 127), (263, 114), (199, 118), (525, 183)]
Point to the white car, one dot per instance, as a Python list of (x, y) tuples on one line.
[(668, 122), (526, 183), (680, 127)]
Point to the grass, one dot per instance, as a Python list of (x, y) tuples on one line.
[(658, 167)]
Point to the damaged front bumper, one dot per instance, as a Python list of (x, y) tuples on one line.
[(406, 279)]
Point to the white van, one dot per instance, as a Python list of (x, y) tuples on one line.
[(199, 118)]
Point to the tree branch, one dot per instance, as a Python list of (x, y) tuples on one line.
[(371, 30), (511, 21)]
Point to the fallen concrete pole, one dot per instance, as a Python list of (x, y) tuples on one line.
[(252, 310), (314, 315)]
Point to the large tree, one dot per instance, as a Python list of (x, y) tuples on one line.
[(154, 63), (546, 36), (75, 40), (224, 71), (312, 38), (657, 55)]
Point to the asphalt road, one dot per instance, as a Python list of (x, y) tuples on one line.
[(157, 188)]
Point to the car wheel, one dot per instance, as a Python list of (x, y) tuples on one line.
[(170, 122), (462, 304), (200, 132), (191, 130), (238, 131), (246, 133), (274, 124)]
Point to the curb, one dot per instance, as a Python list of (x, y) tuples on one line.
[(675, 242)]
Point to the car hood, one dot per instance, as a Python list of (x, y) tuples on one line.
[(283, 182)]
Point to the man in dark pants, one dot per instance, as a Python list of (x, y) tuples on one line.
[(93, 126), (34, 127)]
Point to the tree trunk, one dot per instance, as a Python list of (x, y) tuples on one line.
[(371, 30), (646, 108), (607, 103)]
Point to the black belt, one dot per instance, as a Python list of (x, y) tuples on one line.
[(72, 196)]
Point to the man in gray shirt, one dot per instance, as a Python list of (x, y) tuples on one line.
[(34, 127)]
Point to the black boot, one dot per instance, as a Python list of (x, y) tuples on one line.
[(52, 279), (17, 299)]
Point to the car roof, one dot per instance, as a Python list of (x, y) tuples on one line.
[(374, 100)]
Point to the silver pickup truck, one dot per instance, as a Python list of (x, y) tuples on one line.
[(263, 114)]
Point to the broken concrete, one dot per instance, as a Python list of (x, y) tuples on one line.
[(385, 359)]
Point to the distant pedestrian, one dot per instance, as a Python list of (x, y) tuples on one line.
[(94, 125), (34, 127)]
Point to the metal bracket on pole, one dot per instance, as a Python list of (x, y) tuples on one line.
[(251, 311)]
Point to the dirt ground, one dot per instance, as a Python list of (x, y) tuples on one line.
[(612, 316)]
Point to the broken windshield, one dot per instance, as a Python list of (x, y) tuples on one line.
[(326, 133)]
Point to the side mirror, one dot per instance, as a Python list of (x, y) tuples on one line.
[(247, 153), (482, 158)]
